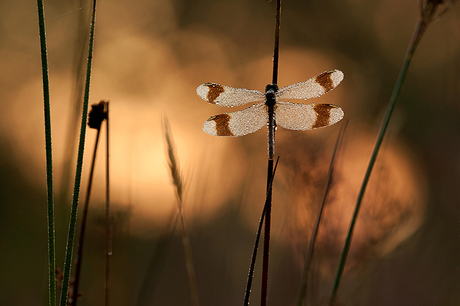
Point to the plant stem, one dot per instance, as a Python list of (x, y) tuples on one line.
[(418, 33), (266, 251), (271, 149), (49, 156), (177, 181), (309, 256), (256, 243), (277, 42), (81, 148), (81, 240), (108, 251), (189, 260), (152, 272)]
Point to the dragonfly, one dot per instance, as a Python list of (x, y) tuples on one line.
[(272, 112)]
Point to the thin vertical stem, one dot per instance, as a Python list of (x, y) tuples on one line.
[(81, 148), (152, 275), (49, 156), (81, 240), (177, 181), (108, 252), (271, 151), (422, 24), (256, 243), (311, 246), (266, 250), (188, 259), (277, 42)]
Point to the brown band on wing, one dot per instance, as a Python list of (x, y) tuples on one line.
[(324, 79), (222, 127), (322, 115), (214, 92)]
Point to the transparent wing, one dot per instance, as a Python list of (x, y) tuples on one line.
[(239, 123), (312, 88), (301, 117), (228, 96)]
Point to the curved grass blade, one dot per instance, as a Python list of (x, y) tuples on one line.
[(427, 16)]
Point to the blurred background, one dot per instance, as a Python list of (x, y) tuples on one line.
[(149, 58)]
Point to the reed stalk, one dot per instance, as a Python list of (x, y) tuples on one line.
[(427, 15), (49, 157), (314, 234), (79, 167), (177, 182)]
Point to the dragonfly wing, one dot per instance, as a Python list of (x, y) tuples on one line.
[(301, 117), (228, 96), (239, 123), (312, 88)]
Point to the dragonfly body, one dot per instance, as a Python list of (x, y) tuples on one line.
[(270, 103), (293, 116)]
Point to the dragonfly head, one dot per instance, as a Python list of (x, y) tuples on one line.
[(271, 88)]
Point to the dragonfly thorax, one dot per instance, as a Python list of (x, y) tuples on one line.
[(270, 91)]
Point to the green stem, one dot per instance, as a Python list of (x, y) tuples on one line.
[(81, 148), (420, 29), (49, 155)]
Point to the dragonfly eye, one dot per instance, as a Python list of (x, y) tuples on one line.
[(271, 88)]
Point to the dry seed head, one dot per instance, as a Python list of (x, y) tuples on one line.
[(433, 9), (97, 114), (173, 162)]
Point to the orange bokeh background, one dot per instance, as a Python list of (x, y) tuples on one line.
[(149, 58)]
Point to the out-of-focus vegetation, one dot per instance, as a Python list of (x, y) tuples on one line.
[(149, 58)]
